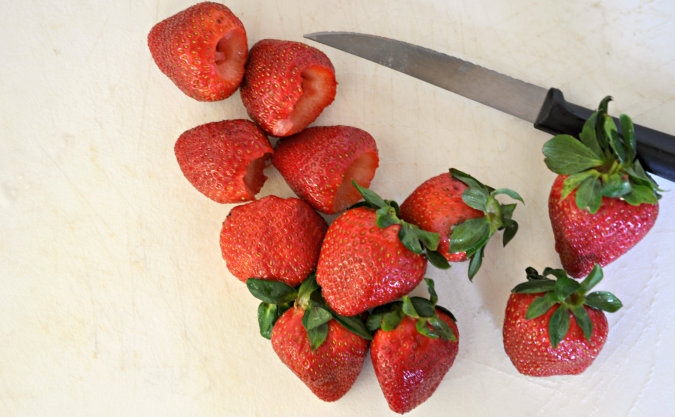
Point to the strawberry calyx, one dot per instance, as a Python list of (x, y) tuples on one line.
[(569, 296), (388, 316), (472, 235), (413, 237), (277, 297), (601, 163)]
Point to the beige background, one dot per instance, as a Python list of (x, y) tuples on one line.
[(115, 300)]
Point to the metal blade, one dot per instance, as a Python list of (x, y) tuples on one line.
[(491, 88)]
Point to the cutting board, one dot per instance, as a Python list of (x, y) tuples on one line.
[(115, 298)]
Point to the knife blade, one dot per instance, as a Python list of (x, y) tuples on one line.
[(545, 108)]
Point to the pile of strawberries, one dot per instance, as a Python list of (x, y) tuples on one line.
[(331, 294)]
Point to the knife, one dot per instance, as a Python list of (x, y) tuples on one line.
[(546, 109)]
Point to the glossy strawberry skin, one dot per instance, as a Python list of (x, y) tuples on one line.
[(278, 75), (224, 160), (410, 366), (329, 371), (436, 205), (583, 239), (320, 162), (527, 342), (202, 49), (272, 238), (362, 266)]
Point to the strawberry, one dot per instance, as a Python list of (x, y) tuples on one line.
[(554, 326), (287, 85), (272, 238), (414, 346), (202, 49), (325, 350), (225, 160), (602, 203), (370, 257), (464, 212), (320, 163)]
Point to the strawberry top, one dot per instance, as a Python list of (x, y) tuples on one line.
[(602, 163)]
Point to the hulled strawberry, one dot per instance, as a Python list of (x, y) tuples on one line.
[(202, 49), (414, 346), (287, 85), (320, 163), (325, 350), (555, 326), (464, 212), (272, 238), (225, 160), (370, 257), (602, 203)]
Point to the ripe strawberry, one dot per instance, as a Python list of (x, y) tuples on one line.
[(464, 212), (325, 350), (555, 327), (370, 257), (287, 85), (202, 49), (272, 238), (225, 160), (415, 345), (320, 163), (602, 203)]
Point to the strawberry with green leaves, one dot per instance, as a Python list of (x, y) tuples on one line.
[(556, 326), (370, 256), (602, 203), (464, 212), (414, 345), (322, 348)]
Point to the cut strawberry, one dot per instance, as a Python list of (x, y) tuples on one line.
[(202, 49), (320, 163), (225, 160), (287, 85)]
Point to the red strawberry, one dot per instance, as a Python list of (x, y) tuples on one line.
[(464, 212), (320, 163), (371, 257), (287, 85), (325, 350), (202, 49), (602, 203), (225, 160), (414, 348), (555, 327), (329, 370), (272, 238)]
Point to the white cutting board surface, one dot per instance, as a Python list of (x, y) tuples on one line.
[(115, 300)]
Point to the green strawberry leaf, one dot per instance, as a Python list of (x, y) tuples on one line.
[(628, 132), (583, 320), (603, 300), (641, 194), (441, 328), (315, 316), (572, 182), (448, 312), (615, 142), (556, 272), (507, 210), (422, 328), (421, 307), (268, 314), (616, 186), (510, 230), (475, 198), (593, 278), (540, 305), (431, 287), (534, 287), (354, 324), (588, 137), (408, 237), (391, 320), (386, 216), (558, 325), (437, 260), (370, 196), (566, 155), (409, 308), (513, 194), (317, 336), (470, 181), (589, 196), (565, 286), (476, 262), (469, 235), (272, 292)]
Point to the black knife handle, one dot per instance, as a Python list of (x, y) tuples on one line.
[(655, 150)]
